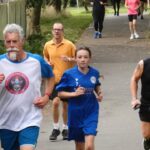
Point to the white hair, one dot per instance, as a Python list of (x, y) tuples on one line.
[(13, 28)]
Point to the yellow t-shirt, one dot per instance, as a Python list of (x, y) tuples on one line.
[(52, 53)]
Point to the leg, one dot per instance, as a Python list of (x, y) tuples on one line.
[(131, 30), (65, 112), (95, 19), (55, 112), (114, 6), (65, 119), (79, 145), (89, 142), (100, 21), (134, 29), (55, 109), (118, 7), (145, 127), (27, 147)]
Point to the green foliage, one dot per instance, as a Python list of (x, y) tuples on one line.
[(74, 23), (35, 43), (2, 48)]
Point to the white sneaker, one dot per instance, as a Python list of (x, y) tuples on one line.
[(136, 35), (132, 37)]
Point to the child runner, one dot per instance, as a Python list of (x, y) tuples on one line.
[(81, 86)]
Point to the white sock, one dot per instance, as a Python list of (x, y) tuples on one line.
[(56, 125), (64, 126)]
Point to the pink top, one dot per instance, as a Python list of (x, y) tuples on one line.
[(133, 5)]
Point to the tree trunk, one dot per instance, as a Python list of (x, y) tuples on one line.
[(65, 4), (36, 19), (57, 5)]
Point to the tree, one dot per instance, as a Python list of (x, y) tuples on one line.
[(34, 13)]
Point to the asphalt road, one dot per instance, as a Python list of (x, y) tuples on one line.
[(115, 56)]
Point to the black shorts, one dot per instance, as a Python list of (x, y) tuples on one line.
[(132, 17), (55, 94), (144, 113)]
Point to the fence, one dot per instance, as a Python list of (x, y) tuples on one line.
[(12, 12)]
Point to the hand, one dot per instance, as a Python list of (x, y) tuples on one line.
[(2, 77), (79, 91), (65, 58), (51, 64), (100, 97), (135, 102), (41, 101)]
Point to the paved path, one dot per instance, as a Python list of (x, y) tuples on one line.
[(116, 56)]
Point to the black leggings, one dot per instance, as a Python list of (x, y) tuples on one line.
[(98, 17), (116, 3)]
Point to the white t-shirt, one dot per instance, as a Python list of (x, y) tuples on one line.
[(19, 90)]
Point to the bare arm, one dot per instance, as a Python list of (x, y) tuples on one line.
[(42, 101), (134, 83), (99, 93), (79, 91)]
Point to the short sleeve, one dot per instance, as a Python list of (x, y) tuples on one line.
[(63, 84)]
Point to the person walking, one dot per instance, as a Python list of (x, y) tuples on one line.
[(142, 72), (59, 53), (133, 6), (81, 86), (142, 8), (21, 102), (116, 7), (98, 14)]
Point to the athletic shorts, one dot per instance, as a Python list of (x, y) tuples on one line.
[(55, 94), (12, 140), (144, 113), (78, 134), (132, 17)]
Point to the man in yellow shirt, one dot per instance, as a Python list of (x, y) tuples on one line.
[(59, 53)]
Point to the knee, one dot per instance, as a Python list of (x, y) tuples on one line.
[(89, 147), (56, 102)]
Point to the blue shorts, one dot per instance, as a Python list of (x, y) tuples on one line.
[(12, 140), (78, 134)]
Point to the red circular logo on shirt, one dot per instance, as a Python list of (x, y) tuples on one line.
[(17, 83)]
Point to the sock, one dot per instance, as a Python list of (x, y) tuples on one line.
[(64, 126), (56, 125)]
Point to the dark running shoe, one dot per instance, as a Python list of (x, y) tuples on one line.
[(65, 134), (54, 134), (146, 144)]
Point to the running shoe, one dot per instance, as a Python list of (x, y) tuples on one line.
[(96, 34), (65, 134), (136, 35), (146, 144), (99, 34), (54, 134), (132, 37)]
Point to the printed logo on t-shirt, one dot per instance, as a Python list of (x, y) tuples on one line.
[(17, 83), (93, 79)]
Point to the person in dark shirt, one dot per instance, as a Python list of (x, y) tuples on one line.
[(98, 16), (142, 72)]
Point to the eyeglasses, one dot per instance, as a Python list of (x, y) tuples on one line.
[(58, 30)]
